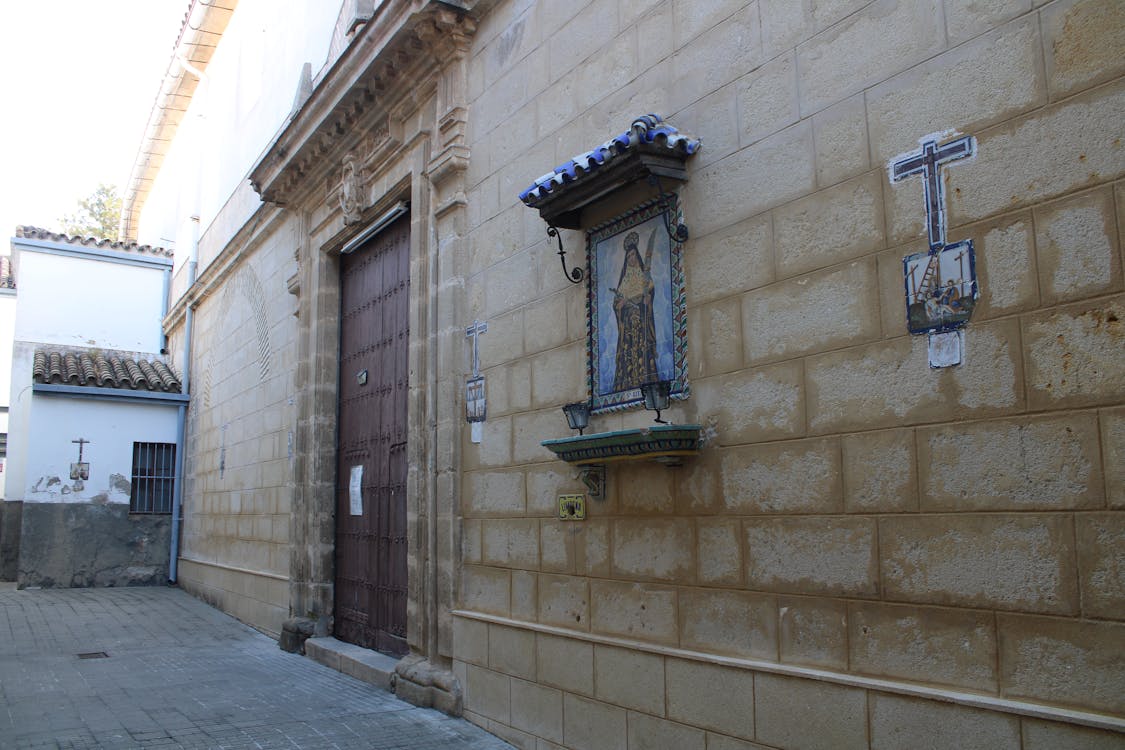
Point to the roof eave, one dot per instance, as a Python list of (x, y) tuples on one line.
[(203, 28)]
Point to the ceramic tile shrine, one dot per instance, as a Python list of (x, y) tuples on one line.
[(941, 283)]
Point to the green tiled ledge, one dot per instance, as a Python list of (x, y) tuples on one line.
[(665, 443)]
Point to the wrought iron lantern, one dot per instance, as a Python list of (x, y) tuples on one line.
[(577, 415), (656, 395)]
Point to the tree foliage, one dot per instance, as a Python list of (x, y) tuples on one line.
[(97, 216)]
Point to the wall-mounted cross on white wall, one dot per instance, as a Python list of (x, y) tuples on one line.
[(81, 444)]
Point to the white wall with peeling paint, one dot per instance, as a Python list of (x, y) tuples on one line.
[(111, 427), (72, 299)]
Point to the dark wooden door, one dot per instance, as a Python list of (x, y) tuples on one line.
[(371, 448)]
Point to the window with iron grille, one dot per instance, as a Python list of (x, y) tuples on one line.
[(154, 477)]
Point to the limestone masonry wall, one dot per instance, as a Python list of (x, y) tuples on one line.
[(237, 495), (869, 552)]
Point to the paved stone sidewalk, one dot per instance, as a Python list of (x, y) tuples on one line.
[(180, 674)]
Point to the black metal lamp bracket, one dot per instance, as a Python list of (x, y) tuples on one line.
[(574, 275), (594, 479), (680, 233)]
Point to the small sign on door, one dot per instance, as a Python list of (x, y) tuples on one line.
[(355, 490)]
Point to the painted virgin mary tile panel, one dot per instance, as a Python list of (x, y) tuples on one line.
[(636, 306)]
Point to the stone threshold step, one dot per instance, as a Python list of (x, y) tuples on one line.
[(361, 663)]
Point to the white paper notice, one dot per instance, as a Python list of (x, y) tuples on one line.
[(476, 430), (355, 490)]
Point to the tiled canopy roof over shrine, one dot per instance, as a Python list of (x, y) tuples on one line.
[(35, 233), (103, 368), (648, 131)]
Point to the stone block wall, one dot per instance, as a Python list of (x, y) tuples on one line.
[(235, 551), (906, 553)]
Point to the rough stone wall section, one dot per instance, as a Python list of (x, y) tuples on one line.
[(77, 545), (11, 512)]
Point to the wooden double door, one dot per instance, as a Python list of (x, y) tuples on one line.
[(371, 579)]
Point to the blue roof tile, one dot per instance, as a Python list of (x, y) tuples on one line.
[(648, 129)]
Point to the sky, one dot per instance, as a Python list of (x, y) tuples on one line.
[(77, 82)]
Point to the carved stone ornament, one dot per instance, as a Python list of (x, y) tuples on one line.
[(350, 189)]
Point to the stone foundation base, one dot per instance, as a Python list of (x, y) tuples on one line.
[(11, 512), (532, 685), (77, 545), (419, 682), (294, 633)]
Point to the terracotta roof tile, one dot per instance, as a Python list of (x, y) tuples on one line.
[(103, 368), (36, 233)]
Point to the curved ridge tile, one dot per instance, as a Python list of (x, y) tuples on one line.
[(55, 368), (135, 377), (104, 372), (39, 367)]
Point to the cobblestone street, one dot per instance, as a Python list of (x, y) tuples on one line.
[(154, 667)]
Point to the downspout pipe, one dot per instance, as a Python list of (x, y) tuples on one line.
[(181, 445), (166, 303), (189, 325)]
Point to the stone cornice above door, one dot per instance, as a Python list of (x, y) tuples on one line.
[(392, 67)]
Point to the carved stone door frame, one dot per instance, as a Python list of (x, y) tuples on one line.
[(395, 132)]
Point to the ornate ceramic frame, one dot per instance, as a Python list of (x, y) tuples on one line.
[(604, 259)]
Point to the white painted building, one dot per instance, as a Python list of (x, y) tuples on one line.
[(95, 411), (250, 86), (7, 329)]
